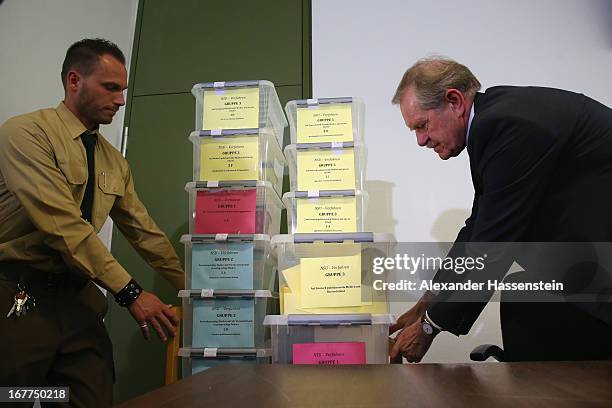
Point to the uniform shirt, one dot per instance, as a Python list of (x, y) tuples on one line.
[(43, 174)]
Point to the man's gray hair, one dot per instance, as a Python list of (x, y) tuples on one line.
[(430, 78)]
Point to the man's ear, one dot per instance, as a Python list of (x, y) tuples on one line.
[(455, 99), (73, 80)]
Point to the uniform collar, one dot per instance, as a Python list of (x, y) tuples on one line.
[(74, 125)]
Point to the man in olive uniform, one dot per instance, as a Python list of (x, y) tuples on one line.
[(59, 181)]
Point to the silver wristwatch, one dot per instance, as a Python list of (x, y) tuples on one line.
[(429, 328)]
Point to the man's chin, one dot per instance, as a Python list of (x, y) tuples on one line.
[(445, 155), (105, 120)]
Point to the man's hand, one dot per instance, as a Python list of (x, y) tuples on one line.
[(147, 310), (413, 315), (412, 343)]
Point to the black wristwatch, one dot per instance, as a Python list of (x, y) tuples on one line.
[(429, 328)]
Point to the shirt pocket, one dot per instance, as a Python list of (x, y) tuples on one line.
[(71, 162), (111, 183), (112, 186), (75, 175)]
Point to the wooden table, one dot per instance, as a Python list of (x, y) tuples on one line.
[(541, 384)]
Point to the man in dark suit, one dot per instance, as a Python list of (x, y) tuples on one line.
[(541, 163)]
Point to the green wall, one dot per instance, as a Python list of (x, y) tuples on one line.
[(178, 44)]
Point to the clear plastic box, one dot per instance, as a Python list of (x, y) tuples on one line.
[(226, 318), (232, 207), (239, 105), (303, 262), (229, 262), (326, 166), (231, 155), (195, 360), (330, 339), (323, 211), (326, 120)]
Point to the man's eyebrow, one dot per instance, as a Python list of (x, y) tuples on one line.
[(115, 85), (414, 125)]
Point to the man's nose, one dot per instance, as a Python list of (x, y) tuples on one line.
[(422, 139), (119, 99)]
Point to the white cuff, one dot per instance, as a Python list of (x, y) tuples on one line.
[(432, 322)]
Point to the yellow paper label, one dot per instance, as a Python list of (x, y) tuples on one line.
[(331, 281), (327, 214), (292, 278), (231, 109), (291, 304), (284, 290), (229, 158), (326, 169), (325, 123), (291, 298)]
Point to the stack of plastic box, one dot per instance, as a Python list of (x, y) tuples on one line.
[(327, 162), (234, 209), (330, 312)]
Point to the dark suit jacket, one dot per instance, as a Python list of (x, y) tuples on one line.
[(541, 163)]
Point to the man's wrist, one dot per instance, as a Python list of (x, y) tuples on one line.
[(130, 292), (429, 327), (432, 322)]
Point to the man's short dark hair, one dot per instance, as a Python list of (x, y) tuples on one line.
[(84, 55)]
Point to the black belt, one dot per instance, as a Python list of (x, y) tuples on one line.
[(31, 277)]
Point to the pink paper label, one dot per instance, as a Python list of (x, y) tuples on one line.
[(226, 212), (329, 353)]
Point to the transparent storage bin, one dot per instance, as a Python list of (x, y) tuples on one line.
[(310, 268), (330, 339), (195, 360), (226, 318), (239, 105), (326, 120), (231, 155), (326, 166), (333, 211), (229, 262), (232, 207)]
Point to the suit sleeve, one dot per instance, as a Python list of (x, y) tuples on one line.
[(135, 223), (516, 159)]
